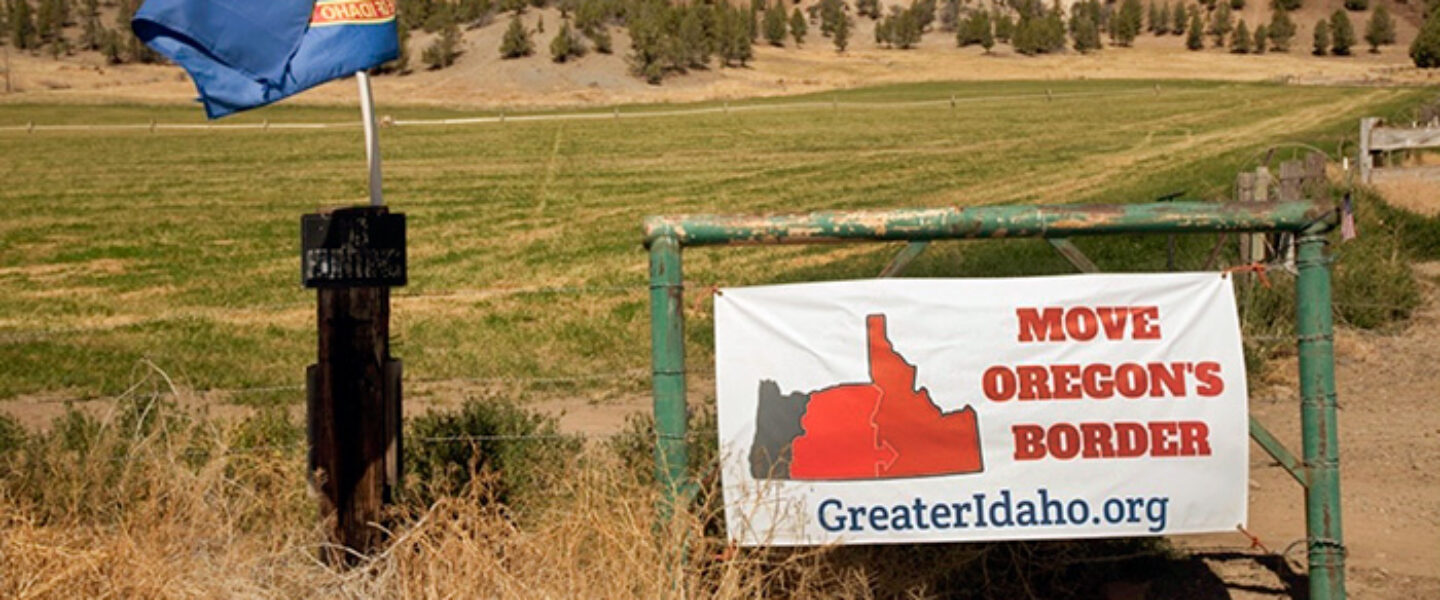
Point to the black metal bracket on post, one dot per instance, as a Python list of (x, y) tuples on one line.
[(352, 257)]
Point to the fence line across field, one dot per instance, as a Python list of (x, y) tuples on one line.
[(613, 113)]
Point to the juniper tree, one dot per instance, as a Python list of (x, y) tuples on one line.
[(516, 41), (734, 36), (1380, 30), (111, 47), (1086, 35), (1281, 30), (1425, 49), (1004, 26), (1127, 23), (1178, 18), (1162, 22), (90, 36), (1262, 39), (923, 13), (1322, 38), (134, 49), (841, 33), (775, 24), (1357, 5), (1237, 4), (1342, 34), (22, 25), (1026, 39), (696, 35), (987, 31), (473, 12), (566, 45), (1240, 42), (1221, 25), (1286, 5), (1053, 28), (882, 31), (47, 20), (831, 12), (441, 53), (647, 42), (797, 26), (1194, 40)]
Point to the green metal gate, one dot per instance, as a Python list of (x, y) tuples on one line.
[(1318, 471)]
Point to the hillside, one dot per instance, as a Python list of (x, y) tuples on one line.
[(481, 79)]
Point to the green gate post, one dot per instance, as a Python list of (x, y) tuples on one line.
[(1317, 415), (667, 349)]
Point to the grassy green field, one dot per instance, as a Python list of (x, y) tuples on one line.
[(180, 248)]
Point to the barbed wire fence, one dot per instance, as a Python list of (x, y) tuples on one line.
[(954, 101)]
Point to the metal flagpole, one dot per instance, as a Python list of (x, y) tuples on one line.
[(372, 137)]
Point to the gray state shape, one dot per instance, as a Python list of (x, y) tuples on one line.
[(777, 424)]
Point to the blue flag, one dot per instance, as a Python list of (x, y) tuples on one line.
[(247, 53)]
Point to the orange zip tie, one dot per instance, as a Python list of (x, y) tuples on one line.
[(728, 553), (1255, 542), (1257, 268)]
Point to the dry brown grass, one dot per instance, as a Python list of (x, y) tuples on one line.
[(151, 502)]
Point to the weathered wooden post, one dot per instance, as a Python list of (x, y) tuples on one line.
[(1365, 159), (353, 256)]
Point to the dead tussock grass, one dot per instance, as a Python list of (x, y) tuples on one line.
[(234, 525), (152, 500)]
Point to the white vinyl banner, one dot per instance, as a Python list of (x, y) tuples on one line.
[(913, 410)]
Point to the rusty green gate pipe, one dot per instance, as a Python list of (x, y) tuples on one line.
[(986, 222), (1314, 328), (667, 350)]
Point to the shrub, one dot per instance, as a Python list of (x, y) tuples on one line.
[(566, 45), (1127, 24), (1322, 38), (1380, 30), (840, 35), (1262, 39), (775, 24), (516, 42), (798, 26), (442, 52), (1004, 27), (12, 435), (1281, 30), (1221, 25), (1240, 43), (1086, 36), (1357, 5), (1178, 19), (1286, 5), (1194, 40), (1237, 4), (446, 452), (987, 32), (1425, 50), (1342, 34)]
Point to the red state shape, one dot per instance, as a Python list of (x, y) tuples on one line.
[(885, 428), (929, 442), (840, 440)]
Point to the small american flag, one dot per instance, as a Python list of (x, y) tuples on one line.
[(1347, 220)]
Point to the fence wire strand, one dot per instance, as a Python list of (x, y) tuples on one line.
[(607, 113)]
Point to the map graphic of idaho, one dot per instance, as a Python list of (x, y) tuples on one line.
[(883, 428)]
